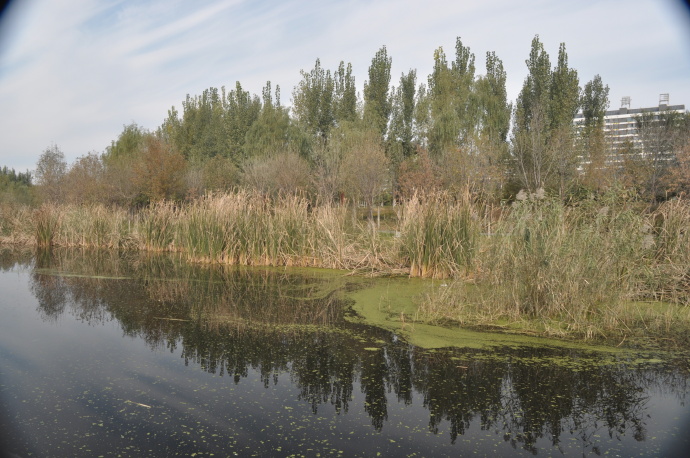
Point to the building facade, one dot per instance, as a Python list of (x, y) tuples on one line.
[(620, 126)]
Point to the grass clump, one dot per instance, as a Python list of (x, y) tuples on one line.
[(46, 225), (439, 235)]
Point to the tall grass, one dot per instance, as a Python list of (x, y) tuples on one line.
[(156, 227), (46, 225), (668, 277), (93, 226), (439, 235), (575, 270)]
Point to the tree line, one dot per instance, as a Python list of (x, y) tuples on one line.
[(454, 131)]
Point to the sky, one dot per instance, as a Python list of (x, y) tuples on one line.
[(74, 72)]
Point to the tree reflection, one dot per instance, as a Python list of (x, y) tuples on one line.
[(228, 321)]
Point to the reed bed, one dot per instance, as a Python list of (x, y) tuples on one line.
[(439, 235), (47, 221), (589, 270), (586, 269), (667, 278), (17, 225), (93, 226)]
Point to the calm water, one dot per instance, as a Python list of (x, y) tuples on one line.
[(106, 356)]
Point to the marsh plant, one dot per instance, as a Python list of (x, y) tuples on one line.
[(439, 234), (576, 269), (668, 278), (46, 225)]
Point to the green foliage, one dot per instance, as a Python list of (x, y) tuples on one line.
[(493, 115), (377, 103), (445, 125), (127, 145), (345, 95), (401, 133), (274, 132), (595, 102), (15, 188), (313, 102), (212, 124), (564, 97), (453, 102), (534, 96)]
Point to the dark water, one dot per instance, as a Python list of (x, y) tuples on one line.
[(101, 355)]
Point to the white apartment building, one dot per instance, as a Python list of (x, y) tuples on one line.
[(620, 125)]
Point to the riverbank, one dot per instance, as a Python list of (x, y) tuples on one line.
[(597, 270)]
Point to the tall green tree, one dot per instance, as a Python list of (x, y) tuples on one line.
[(242, 109), (345, 109), (127, 145), (377, 101), (534, 95), (401, 134), (532, 160), (465, 104), (444, 125), (313, 99), (273, 132), (214, 123), (494, 110), (564, 93), (594, 102), (564, 102), (15, 187), (453, 105), (492, 124)]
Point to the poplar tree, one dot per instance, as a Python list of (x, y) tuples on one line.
[(453, 106), (345, 94), (377, 102), (402, 116), (492, 125), (534, 96), (273, 132), (594, 101), (241, 110), (533, 164), (444, 124), (313, 101), (463, 71), (493, 111), (564, 102)]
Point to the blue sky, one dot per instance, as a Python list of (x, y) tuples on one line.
[(73, 72)]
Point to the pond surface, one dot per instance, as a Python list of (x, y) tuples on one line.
[(105, 355)]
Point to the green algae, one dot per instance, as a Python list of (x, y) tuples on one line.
[(392, 304)]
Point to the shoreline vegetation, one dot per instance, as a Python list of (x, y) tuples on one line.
[(602, 268)]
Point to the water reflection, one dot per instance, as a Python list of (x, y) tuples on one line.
[(230, 321)]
